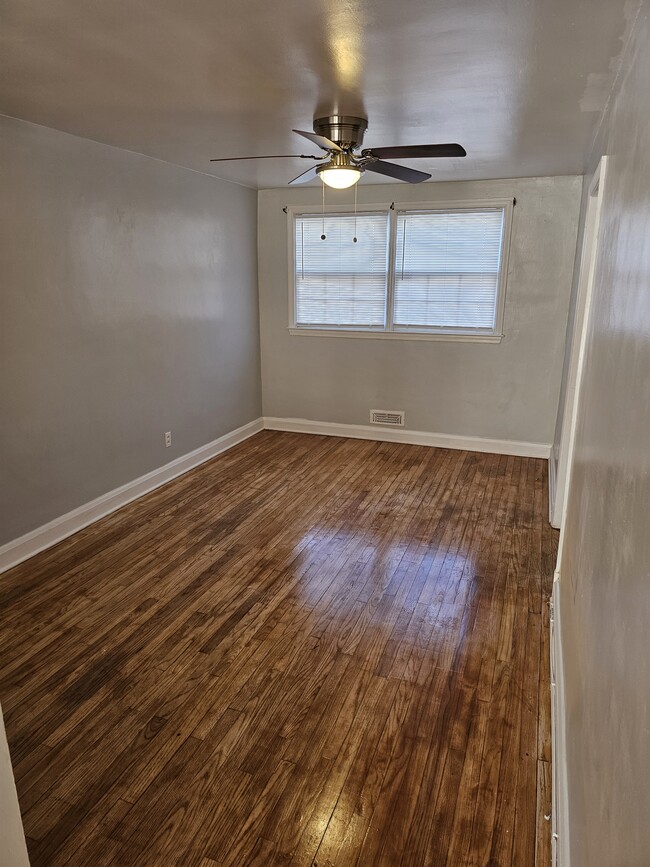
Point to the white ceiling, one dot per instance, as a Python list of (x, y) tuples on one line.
[(519, 83)]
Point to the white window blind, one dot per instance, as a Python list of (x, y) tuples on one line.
[(447, 269), (340, 283)]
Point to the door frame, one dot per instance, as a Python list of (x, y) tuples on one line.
[(575, 371)]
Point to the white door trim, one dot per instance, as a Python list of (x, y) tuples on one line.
[(14, 847), (559, 792), (588, 262)]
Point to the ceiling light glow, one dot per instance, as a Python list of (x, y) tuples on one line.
[(339, 178)]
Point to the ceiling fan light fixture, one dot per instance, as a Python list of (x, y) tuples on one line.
[(339, 172), (339, 178), (341, 137)]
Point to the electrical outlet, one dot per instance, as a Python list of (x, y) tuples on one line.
[(168, 439)]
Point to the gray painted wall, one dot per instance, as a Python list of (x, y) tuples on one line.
[(503, 391), (605, 565), (128, 308)]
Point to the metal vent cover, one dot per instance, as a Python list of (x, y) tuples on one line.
[(387, 416)]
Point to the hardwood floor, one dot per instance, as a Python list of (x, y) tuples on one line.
[(310, 650)]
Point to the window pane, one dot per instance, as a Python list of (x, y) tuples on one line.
[(447, 268), (339, 282)]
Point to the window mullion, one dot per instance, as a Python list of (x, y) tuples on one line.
[(390, 276)]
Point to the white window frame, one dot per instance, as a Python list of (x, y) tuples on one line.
[(409, 332)]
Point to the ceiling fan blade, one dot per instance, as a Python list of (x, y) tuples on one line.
[(400, 173), (319, 140), (269, 157), (305, 176), (417, 151)]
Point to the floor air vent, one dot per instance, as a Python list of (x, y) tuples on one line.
[(386, 416)]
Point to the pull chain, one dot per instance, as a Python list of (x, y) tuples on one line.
[(323, 236), (354, 239)]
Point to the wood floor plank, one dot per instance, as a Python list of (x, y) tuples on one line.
[(309, 650)]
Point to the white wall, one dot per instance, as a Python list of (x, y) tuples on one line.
[(559, 422), (605, 560), (13, 850), (128, 308), (503, 391)]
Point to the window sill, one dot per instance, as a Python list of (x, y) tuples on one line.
[(459, 337)]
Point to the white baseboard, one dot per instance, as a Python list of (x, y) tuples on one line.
[(413, 437), (560, 795), (55, 531), (60, 528), (552, 486)]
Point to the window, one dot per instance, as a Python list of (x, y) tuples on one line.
[(447, 269), (341, 283), (420, 272)]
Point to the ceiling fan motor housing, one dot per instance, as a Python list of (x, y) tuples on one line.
[(345, 130)]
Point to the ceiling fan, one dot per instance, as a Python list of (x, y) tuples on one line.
[(342, 165)]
